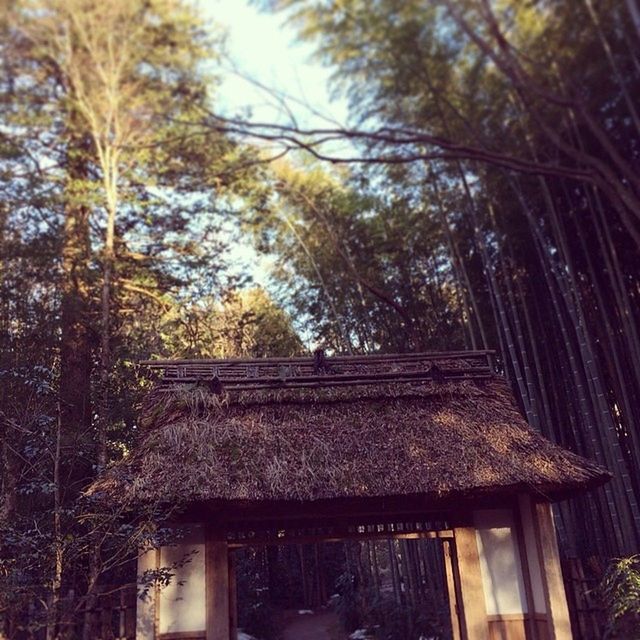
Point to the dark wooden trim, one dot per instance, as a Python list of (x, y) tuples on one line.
[(462, 625), (233, 598), (517, 616), (281, 531), (183, 635), (267, 373), (260, 542), (392, 507), (433, 355), (329, 381)]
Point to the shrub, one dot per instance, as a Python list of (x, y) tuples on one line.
[(620, 591)]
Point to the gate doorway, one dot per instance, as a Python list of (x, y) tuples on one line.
[(361, 581)]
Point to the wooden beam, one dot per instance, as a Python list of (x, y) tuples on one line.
[(474, 610), (172, 384), (401, 357), (452, 589), (393, 508), (556, 600), (311, 539), (217, 586)]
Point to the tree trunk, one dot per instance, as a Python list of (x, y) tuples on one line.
[(612, 62), (76, 339), (634, 12), (53, 620)]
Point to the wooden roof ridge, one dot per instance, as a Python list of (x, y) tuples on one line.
[(321, 370)]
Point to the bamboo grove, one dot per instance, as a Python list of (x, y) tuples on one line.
[(396, 586), (494, 204)]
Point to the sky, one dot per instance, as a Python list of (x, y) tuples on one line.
[(262, 46)]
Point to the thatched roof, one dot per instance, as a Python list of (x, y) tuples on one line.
[(435, 438)]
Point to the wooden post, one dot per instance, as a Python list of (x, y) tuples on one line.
[(452, 590), (233, 598), (531, 623), (556, 600), (474, 610), (217, 590)]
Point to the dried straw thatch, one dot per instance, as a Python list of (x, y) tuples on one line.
[(438, 439)]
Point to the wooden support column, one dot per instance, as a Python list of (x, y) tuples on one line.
[(452, 588), (233, 598), (474, 611), (556, 600), (217, 589)]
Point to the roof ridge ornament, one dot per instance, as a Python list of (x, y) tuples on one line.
[(319, 370), (320, 362)]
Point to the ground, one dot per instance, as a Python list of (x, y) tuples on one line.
[(317, 625)]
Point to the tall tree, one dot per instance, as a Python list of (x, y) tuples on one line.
[(109, 206)]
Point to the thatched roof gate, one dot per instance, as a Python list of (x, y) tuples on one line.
[(279, 450)]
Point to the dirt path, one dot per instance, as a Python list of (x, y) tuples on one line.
[(323, 625)]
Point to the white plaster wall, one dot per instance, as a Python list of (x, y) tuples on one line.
[(533, 557), (183, 602), (500, 562), (146, 609)]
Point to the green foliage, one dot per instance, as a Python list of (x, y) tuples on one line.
[(362, 268), (259, 620), (394, 621), (620, 590), (244, 323), (360, 606), (98, 102), (27, 415), (347, 606), (256, 612), (382, 616)]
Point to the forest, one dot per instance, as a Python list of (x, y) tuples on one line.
[(484, 194)]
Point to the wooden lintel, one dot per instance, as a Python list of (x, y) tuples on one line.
[(421, 506), (262, 542)]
